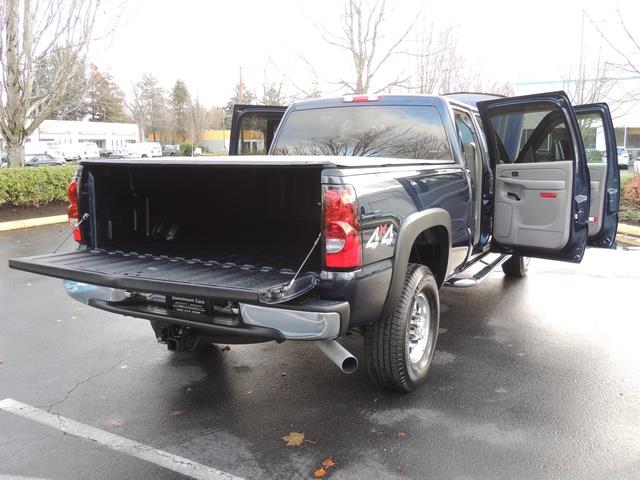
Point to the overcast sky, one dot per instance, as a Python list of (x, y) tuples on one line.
[(206, 42)]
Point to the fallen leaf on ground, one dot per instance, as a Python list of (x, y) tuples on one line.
[(319, 473), (294, 439), (328, 463), (115, 422), (226, 348), (402, 434), (176, 413)]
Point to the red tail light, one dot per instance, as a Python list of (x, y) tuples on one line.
[(341, 227), (72, 212)]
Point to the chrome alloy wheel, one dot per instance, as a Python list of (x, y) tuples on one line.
[(419, 328)]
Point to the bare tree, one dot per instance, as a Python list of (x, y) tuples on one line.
[(197, 121), (362, 34), (629, 53), (300, 92), (139, 110), (618, 78), (148, 108), (440, 68), (31, 31), (273, 93)]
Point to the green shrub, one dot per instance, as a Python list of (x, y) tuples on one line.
[(629, 214), (186, 148), (23, 187)]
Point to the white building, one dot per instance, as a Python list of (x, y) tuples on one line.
[(108, 136)]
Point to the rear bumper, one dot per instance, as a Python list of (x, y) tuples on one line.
[(301, 319)]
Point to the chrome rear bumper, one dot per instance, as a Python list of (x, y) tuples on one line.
[(306, 321)]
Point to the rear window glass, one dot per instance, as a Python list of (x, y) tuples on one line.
[(414, 132)]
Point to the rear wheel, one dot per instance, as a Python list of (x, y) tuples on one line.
[(399, 349), (516, 267)]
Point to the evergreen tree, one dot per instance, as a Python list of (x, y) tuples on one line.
[(105, 100), (179, 101)]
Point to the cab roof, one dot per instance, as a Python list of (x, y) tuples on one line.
[(469, 99)]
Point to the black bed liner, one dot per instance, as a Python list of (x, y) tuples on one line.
[(145, 272)]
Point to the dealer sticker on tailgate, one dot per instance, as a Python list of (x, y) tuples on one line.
[(191, 305)]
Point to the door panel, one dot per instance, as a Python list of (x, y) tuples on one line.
[(541, 200), (598, 173), (253, 128), (596, 127), (532, 204)]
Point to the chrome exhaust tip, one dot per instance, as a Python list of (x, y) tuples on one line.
[(338, 355)]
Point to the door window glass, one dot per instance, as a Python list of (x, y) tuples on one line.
[(530, 134), (255, 134), (593, 136), (469, 139)]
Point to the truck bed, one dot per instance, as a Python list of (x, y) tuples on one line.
[(219, 231)]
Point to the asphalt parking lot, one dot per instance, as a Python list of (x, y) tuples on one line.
[(538, 378)]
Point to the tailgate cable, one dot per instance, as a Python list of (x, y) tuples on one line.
[(315, 244), (84, 217), (278, 293)]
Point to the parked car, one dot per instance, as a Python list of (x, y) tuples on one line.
[(143, 150), (623, 158), (170, 150), (364, 208), (52, 149), (42, 160), (89, 150), (115, 153)]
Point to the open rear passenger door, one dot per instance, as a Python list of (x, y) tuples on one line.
[(541, 199), (253, 128), (599, 139)]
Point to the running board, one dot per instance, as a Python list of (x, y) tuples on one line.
[(464, 282)]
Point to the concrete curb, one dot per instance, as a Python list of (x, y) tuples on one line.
[(629, 229), (32, 222)]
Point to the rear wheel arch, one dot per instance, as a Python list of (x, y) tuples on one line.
[(431, 249), (434, 223)]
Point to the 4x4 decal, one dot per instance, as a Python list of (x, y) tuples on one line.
[(382, 235)]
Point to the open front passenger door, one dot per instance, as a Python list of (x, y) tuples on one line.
[(253, 128), (541, 199), (599, 139)]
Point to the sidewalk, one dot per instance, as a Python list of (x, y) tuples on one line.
[(32, 222)]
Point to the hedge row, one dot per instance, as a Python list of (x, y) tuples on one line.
[(24, 187)]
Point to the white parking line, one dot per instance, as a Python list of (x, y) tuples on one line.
[(164, 459), (18, 477)]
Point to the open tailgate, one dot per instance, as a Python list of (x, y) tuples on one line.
[(171, 275)]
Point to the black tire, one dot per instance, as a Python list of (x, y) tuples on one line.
[(516, 267), (387, 343)]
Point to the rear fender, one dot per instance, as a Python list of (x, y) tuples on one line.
[(411, 228)]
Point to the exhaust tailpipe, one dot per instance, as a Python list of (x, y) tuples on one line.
[(338, 355)]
